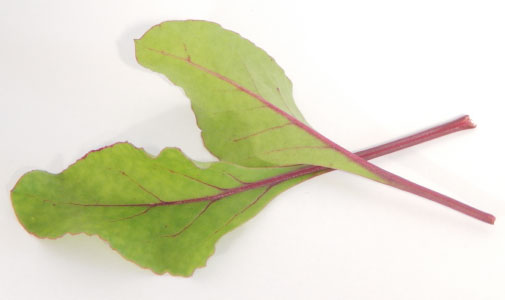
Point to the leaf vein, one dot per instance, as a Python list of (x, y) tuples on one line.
[(244, 209), (135, 215), (192, 221), (141, 186), (261, 132), (194, 179)]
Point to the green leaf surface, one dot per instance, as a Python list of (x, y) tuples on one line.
[(242, 99), (244, 106), (164, 213)]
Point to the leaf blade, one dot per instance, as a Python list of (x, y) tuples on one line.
[(246, 138), (134, 217), (208, 78)]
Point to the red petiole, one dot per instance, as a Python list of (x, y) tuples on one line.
[(423, 136), (375, 173)]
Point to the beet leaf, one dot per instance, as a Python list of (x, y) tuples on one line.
[(244, 106), (164, 213), (167, 212)]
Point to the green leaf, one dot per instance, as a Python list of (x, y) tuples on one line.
[(241, 98), (164, 213), (243, 104)]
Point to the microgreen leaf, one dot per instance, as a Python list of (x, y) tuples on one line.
[(243, 104), (164, 213)]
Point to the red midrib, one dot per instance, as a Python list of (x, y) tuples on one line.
[(385, 176), (372, 168)]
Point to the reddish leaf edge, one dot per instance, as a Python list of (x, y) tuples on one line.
[(462, 123)]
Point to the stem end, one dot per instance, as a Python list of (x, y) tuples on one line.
[(466, 122)]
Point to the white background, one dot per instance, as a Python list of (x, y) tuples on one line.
[(364, 72)]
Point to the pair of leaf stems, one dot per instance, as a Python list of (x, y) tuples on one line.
[(423, 136)]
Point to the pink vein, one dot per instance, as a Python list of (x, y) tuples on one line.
[(245, 208), (261, 132), (141, 187), (236, 178), (192, 221), (145, 211), (195, 179), (385, 176)]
